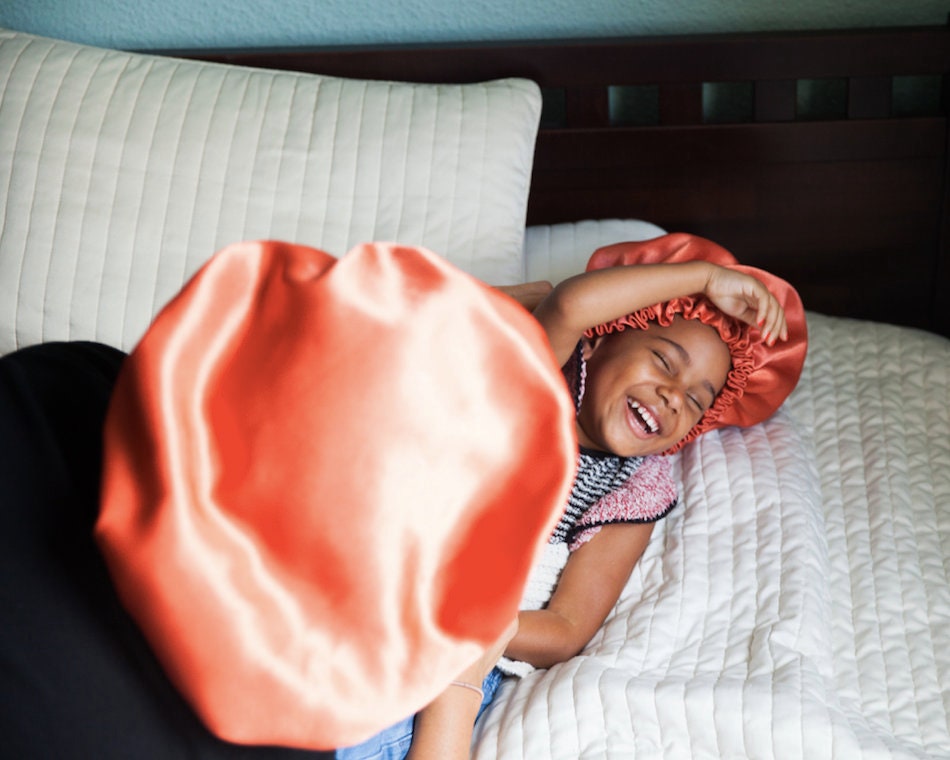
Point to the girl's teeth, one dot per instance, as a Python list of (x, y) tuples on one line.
[(644, 414)]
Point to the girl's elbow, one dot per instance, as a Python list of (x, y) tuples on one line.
[(563, 652), (558, 314), (571, 643)]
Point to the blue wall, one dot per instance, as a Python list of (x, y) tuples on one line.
[(242, 23)]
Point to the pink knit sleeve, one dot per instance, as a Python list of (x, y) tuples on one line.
[(648, 495)]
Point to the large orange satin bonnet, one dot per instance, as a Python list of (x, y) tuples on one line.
[(325, 483), (762, 376)]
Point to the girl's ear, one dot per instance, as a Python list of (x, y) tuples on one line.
[(590, 345)]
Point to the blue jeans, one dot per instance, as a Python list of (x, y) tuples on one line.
[(393, 743)]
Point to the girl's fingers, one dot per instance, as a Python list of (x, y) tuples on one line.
[(773, 327), (750, 301)]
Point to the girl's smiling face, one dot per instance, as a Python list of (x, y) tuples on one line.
[(646, 389)]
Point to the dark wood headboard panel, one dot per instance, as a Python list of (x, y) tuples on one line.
[(819, 155)]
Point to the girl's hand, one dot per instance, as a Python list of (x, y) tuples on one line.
[(443, 729), (744, 297)]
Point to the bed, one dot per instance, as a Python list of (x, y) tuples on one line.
[(797, 603)]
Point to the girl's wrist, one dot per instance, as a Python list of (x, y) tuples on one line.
[(706, 272), (471, 687), (461, 702)]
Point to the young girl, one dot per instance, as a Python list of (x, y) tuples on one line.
[(654, 355)]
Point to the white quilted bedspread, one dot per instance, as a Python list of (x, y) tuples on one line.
[(797, 603)]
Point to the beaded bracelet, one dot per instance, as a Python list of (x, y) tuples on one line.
[(473, 687)]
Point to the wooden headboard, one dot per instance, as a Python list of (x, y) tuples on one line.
[(821, 156)]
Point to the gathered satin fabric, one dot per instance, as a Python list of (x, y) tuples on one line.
[(762, 376), (325, 482)]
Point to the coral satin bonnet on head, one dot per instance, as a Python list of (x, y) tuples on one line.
[(762, 376)]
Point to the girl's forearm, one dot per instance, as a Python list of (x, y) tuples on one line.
[(588, 589), (443, 730), (592, 298)]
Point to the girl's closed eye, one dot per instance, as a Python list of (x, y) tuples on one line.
[(670, 368), (663, 360)]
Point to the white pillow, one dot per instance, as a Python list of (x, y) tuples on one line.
[(555, 252), (123, 172)]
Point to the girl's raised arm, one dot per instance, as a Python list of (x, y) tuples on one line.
[(593, 298)]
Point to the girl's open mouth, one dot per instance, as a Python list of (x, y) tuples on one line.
[(643, 417)]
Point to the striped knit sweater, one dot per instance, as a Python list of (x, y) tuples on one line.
[(598, 474)]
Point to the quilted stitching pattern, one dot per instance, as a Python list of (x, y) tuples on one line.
[(876, 402)]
